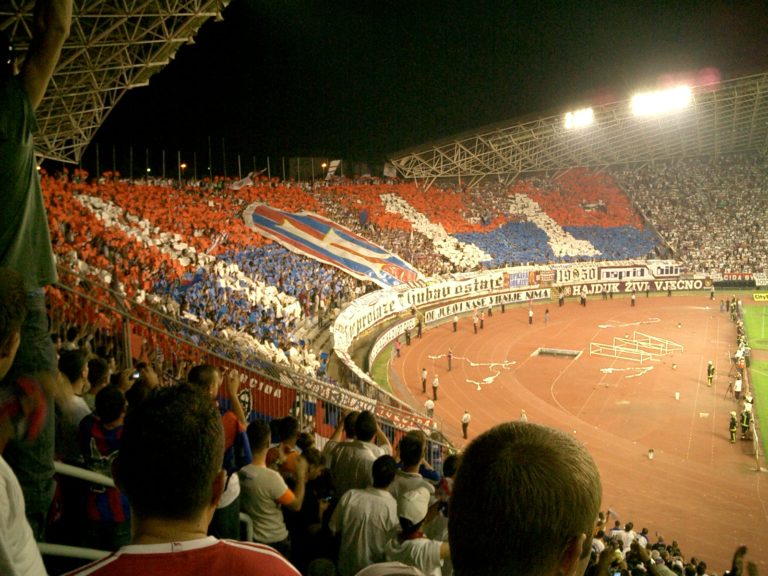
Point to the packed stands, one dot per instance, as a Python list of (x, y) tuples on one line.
[(188, 268), (710, 211)]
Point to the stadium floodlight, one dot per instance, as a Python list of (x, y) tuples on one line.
[(578, 118), (661, 101)]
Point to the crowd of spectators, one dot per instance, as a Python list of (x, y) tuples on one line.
[(630, 551), (193, 272), (710, 211), (356, 502), (362, 500), (186, 252)]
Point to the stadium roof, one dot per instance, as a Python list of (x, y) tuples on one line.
[(113, 46), (724, 118)]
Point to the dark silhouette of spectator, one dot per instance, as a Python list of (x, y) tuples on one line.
[(25, 244), (108, 525), (524, 502), (237, 450), (169, 468), (98, 378), (21, 414)]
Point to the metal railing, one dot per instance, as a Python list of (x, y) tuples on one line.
[(268, 390)]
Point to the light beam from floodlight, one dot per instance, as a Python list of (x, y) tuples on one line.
[(661, 101), (579, 118)]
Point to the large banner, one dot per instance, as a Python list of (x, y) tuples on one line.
[(316, 237)]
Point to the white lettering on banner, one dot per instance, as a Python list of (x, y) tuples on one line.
[(679, 284), (657, 285), (255, 383), (576, 273), (637, 286), (336, 395), (451, 310), (737, 276)]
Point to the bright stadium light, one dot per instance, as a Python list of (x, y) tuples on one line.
[(661, 101), (578, 118)]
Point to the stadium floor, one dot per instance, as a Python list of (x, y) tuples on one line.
[(699, 488)]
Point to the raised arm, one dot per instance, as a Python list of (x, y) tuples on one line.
[(51, 28), (232, 382), (382, 439), (336, 436)]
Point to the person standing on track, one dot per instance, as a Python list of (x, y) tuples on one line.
[(465, 420), (746, 420)]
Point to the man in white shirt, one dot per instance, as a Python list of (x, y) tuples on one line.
[(345, 424), (466, 418), (625, 537), (366, 519), (352, 465), (410, 546), (411, 451), (264, 493)]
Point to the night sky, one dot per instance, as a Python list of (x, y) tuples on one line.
[(361, 79)]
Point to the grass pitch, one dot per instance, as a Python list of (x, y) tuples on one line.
[(756, 324)]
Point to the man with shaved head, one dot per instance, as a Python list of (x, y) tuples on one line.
[(524, 503)]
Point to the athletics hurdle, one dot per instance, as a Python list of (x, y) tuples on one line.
[(667, 345), (611, 351), (655, 350)]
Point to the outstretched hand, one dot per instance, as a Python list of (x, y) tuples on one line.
[(232, 383), (605, 559)]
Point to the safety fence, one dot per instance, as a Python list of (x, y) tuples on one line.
[(133, 332)]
